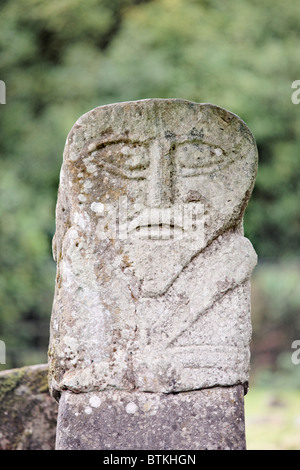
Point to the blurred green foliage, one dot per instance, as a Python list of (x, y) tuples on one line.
[(272, 419), (60, 59), (276, 323)]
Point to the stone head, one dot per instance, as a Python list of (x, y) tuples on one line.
[(162, 177)]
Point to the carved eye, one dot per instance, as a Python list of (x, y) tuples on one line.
[(195, 159), (128, 160), (135, 158)]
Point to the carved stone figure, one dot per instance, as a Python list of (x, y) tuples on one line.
[(152, 290)]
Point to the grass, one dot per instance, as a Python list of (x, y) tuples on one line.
[(272, 419)]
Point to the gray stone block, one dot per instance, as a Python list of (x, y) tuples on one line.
[(208, 419)]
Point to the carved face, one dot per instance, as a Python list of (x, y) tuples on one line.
[(163, 176)]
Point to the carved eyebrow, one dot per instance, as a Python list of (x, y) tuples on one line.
[(194, 133), (196, 141), (100, 144)]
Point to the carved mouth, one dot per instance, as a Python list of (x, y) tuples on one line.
[(165, 223), (158, 231), (156, 224)]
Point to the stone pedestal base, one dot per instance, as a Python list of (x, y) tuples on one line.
[(118, 420)]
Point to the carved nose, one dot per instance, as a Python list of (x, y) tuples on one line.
[(160, 178)]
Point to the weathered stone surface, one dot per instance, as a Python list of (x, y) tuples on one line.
[(152, 290), (209, 419), (28, 415)]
